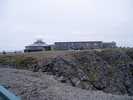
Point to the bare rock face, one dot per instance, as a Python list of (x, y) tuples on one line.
[(108, 71), (121, 68)]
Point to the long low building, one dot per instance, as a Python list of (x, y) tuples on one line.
[(39, 45), (78, 45), (83, 45)]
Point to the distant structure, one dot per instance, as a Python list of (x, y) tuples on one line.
[(109, 45), (39, 45), (78, 45), (84, 45)]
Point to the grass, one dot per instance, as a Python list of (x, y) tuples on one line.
[(27, 59)]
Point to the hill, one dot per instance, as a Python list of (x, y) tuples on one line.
[(106, 70)]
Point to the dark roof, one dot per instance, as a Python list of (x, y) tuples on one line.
[(38, 43)]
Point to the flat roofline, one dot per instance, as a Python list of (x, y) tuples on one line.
[(80, 42)]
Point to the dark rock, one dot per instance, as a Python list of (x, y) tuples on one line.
[(94, 70), (109, 70)]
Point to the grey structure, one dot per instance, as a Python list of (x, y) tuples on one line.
[(84, 45), (39, 45), (109, 45), (78, 45)]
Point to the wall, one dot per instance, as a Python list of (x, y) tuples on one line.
[(109, 45), (78, 45)]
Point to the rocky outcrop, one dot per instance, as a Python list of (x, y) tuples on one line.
[(108, 71)]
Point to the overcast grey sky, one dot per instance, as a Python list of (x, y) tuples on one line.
[(22, 21)]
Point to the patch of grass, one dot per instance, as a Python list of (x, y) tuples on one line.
[(93, 76), (17, 61), (25, 62), (129, 52), (4, 60), (114, 56)]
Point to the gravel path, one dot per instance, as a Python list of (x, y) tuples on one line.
[(38, 86)]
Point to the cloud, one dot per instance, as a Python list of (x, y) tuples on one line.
[(65, 20)]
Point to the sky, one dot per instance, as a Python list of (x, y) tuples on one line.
[(23, 21)]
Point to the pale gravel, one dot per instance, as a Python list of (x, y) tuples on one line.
[(39, 86)]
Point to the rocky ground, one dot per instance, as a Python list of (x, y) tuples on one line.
[(39, 86), (107, 70)]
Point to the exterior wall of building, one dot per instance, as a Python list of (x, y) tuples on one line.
[(78, 45), (39, 45), (109, 45), (36, 48)]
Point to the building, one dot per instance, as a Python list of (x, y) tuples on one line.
[(109, 45), (39, 45), (78, 45), (84, 45)]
